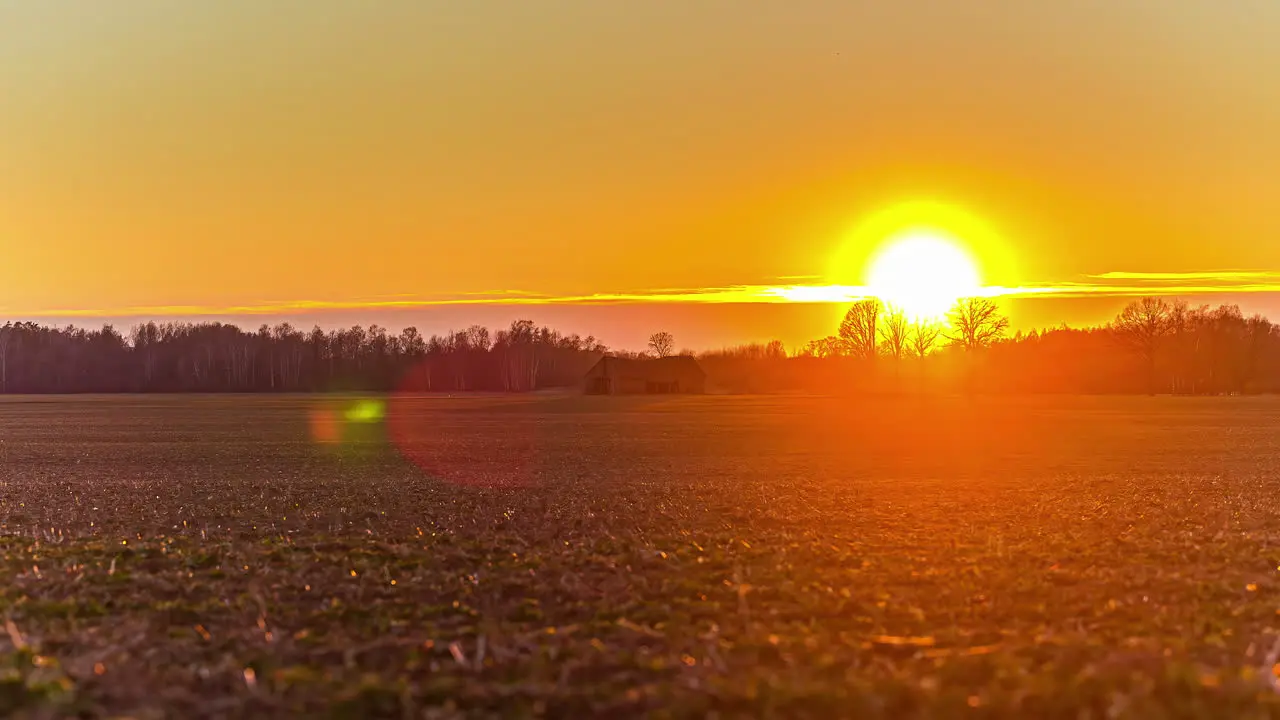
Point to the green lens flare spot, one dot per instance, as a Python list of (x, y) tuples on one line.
[(366, 411)]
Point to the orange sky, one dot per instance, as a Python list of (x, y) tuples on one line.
[(317, 159)]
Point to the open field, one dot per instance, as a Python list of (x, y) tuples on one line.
[(567, 556)]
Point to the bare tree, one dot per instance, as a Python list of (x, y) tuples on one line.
[(828, 347), (924, 335), (858, 329), (412, 343), (662, 344), (5, 336), (1142, 325), (894, 332), (1261, 335), (976, 323), (520, 345), (478, 335)]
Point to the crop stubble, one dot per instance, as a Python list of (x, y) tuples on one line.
[(570, 556)]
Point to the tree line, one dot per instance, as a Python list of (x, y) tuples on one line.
[(217, 357), (872, 329), (1153, 345)]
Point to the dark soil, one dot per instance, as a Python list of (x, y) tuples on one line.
[(577, 557)]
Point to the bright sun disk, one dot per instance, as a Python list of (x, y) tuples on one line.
[(923, 273)]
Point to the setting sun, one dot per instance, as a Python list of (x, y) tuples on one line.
[(923, 273)]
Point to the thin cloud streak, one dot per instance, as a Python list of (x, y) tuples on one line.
[(1111, 284), (1214, 275)]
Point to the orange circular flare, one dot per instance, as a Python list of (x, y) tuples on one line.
[(325, 426), (457, 440)]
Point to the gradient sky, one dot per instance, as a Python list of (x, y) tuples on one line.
[(397, 161)]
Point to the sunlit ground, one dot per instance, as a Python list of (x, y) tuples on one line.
[(1066, 557)]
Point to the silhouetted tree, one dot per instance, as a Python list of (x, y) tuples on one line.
[(828, 347), (1143, 324), (519, 347), (976, 323), (924, 335), (662, 344), (6, 335), (858, 329), (894, 332)]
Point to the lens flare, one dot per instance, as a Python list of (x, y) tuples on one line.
[(473, 441), (325, 427), (347, 422), (365, 411)]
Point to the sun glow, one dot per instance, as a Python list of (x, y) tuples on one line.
[(921, 255), (923, 273)]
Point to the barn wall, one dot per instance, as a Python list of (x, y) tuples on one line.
[(632, 379)]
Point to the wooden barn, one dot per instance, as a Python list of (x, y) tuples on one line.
[(621, 376)]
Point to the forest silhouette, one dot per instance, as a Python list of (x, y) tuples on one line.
[(1153, 346)]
